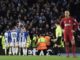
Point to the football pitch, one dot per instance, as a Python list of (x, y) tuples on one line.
[(38, 58)]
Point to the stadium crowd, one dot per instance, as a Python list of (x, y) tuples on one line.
[(38, 16), (42, 13)]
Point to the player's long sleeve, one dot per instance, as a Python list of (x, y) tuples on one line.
[(75, 24)]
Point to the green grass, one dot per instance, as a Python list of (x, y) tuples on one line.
[(38, 58)]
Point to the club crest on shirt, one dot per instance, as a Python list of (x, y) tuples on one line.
[(69, 21)]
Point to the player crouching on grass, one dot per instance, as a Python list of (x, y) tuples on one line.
[(58, 41)]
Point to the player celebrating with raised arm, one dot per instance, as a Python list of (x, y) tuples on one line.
[(69, 26)]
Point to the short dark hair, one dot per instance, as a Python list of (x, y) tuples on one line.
[(67, 10), (57, 22)]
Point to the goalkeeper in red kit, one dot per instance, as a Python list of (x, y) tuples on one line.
[(69, 26)]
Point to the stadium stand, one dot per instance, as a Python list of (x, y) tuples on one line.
[(41, 13)]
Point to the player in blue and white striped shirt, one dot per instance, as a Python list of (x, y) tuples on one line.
[(24, 35), (14, 43), (7, 36)]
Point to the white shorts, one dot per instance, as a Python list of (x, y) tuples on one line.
[(11, 44), (20, 44), (23, 44), (6, 45), (14, 44)]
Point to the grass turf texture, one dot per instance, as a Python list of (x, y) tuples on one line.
[(38, 58)]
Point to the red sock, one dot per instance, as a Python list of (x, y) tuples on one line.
[(73, 49), (67, 50)]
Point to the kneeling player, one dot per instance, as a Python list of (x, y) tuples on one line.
[(57, 41)]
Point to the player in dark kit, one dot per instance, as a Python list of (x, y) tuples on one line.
[(69, 26)]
